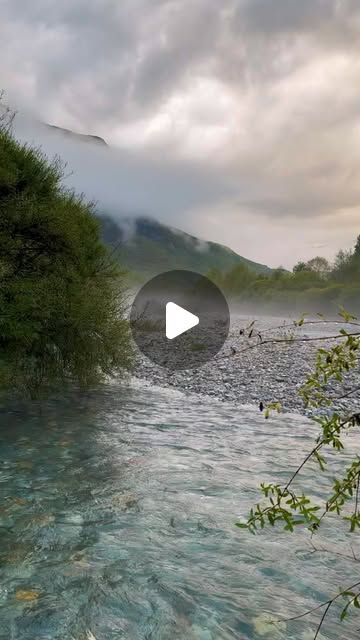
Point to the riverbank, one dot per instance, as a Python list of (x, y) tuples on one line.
[(259, 372)]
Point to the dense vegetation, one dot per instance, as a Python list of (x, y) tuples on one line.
[(61, 297), (314, 286), (147, 248)]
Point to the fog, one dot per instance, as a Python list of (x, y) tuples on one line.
[(198, 196), (128, 184)]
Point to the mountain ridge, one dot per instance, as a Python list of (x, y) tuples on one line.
[(82, 137), (148, 247)]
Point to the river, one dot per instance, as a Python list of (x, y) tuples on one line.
[(117, 521)]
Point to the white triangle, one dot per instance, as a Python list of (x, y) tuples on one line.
[(178, 320)]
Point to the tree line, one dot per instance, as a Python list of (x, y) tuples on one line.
[(313, 286)]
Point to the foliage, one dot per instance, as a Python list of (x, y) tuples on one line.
[(291, 508), (317, 265), (313, 285), (61, 296)]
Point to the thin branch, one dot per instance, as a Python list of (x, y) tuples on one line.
[(353, 552), (357, 495), (322, 620), (328, 604), (289, 341), (335, 497), (304, 615), (296, 325), (346, 395), (304, 462), (318, 446), (285, 491), (335, 553)]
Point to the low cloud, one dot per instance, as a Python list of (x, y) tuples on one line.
[(246, 109), (125, 183)]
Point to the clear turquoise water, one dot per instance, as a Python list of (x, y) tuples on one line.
[(118, 509)]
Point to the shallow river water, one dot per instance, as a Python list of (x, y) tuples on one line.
[(117, 515)]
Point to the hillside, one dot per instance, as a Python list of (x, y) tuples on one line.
[(147, 247)]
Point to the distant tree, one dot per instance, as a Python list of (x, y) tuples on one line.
[(278, 273), (342, 259), (349, 268), (357, 247), (312, 285), (61, 295), (299, 267), (238, 279), (319, 265)]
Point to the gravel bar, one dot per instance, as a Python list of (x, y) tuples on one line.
[(263, 373)]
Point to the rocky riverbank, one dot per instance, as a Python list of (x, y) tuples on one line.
[(262, 373)]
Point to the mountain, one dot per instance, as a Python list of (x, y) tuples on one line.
[(77, 136), (147, 248)]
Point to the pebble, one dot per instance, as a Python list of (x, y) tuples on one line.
[(267, 373)]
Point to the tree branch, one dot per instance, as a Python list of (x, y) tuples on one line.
[(352, 557), (328, 604), (289, 341)]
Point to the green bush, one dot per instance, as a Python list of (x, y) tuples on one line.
[(61, 296)]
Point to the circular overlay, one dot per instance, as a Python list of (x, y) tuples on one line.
[(184, 303)]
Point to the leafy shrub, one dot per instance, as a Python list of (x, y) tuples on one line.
[(62, 313)]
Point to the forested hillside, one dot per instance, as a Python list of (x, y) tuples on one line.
[(146, 248)]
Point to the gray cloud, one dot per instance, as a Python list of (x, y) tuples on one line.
[(271, 16), (246, 108), (179, 51)]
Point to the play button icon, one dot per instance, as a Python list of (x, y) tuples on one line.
[(179, 320)]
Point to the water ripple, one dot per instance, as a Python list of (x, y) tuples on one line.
[(117, 522)]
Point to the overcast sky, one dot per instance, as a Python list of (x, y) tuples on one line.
[(236, 120)]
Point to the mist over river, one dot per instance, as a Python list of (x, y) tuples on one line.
[(117, 522)]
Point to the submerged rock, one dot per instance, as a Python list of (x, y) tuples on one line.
[(125, 501), (30, 595), (267, 625)]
